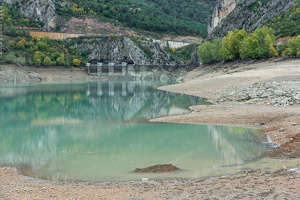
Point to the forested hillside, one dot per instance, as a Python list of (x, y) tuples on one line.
[(11, 17), (251, 15), (287, 23), (178, 17)]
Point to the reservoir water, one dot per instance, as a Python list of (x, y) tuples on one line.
[(99, 132)]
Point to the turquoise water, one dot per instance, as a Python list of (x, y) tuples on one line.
[(99, 132)]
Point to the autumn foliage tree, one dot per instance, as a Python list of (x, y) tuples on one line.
[(230, 46)]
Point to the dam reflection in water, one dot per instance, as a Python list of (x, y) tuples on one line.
[(99, 132)]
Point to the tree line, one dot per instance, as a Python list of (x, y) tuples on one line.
[(42, 52), (238, 44)]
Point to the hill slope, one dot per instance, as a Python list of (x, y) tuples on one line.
[(249, 14), (178, 17)]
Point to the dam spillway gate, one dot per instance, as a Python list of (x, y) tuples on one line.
[(109, 69)]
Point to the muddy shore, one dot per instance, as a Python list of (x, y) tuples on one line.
[(278, 114)]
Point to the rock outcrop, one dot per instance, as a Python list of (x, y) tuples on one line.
[(247, 14), (41, 10), (222, 9), (117, 49)]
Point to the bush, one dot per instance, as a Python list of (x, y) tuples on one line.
[(47, 61), (76, 62), (292, 48), (38, 58), (12, 58), (11, 31)]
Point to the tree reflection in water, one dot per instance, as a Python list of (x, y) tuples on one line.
[(99, 132)]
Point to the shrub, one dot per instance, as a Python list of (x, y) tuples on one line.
[(47, 61), (12, 58), (292, 48), (76, 62)]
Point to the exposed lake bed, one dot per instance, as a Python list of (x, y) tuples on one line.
[(281, 124)]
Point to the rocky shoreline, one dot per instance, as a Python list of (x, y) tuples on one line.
[(262, 94), (284, 93)]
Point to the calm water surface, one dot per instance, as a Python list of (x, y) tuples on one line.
[(99, 132)]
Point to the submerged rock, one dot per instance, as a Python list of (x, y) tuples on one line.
[(157, 169)]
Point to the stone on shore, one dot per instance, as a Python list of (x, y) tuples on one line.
[(157, 169)]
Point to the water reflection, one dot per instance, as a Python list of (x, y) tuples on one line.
[(109, 102), (227, 142), (97, 132), (96, 152)]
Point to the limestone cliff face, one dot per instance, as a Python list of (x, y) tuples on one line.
[(118, 49), (41, 10), (247, 14), (222, 9)]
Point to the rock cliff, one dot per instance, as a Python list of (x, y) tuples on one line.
[(222, 9), (245, 14), (41, 10), (11, 1), (117, 49)]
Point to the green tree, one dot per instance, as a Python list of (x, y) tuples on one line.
[(209, 52), (61, 59), (270, 45), (42, 45), (68, 61), (46, 39), (260, 44), (230, 48), (54, 55), (47, 61), (21, 44), (11, 44), (38, 58), (293, 47), (30, 44), (33, 49), (12, 58)]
